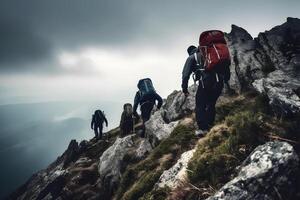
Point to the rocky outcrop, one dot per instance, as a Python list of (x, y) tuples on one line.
[(110, 162), (143, 149), (73, 175), (72, 153), (282, 93), (175, 108), (177, 174), (269, 63), (177, 105), (265, 174), (157, 129), (247, 60)]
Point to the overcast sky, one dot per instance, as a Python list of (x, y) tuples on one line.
[(98, 49)]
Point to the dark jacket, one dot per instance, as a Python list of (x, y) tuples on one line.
[(191, 66), (126, 119), (98, 119), (151, 100)]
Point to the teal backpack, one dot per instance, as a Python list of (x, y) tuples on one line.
[(146, 88)]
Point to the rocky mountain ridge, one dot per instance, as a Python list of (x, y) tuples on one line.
[(251, 153)]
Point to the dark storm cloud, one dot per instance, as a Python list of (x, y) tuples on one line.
[(69, 22), (32, 30), (19, 44)]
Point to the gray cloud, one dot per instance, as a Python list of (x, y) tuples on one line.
[(20, 45), (32, 31)]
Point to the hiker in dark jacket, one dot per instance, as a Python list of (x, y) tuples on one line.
[(146, 102), (146, 106), (128, 120), (210, 87), (98, 119)]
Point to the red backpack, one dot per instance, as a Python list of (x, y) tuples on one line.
[(213, 49)]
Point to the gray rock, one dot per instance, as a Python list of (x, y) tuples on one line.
[(157, 129), (72, 153), (263, 175), (143, 149), (281, 92), (175, 175), (111, 160), (247, 59), (269, 63), (176, 106)]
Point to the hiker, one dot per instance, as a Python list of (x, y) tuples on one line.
[(146, 97), (128, 120), (210, 67), (97, 123)]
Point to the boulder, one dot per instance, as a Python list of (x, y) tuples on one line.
[(110, 162), (157, 129), (143, 149), (175, 175), (266, 174), (177, 105)]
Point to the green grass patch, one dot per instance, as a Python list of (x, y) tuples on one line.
[(225, 148), (139, 178), (158, 194)]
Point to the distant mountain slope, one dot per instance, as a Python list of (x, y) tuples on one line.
[(34, 134)]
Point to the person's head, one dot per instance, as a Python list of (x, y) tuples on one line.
[(97, 112), (127, 108), (191, 49)]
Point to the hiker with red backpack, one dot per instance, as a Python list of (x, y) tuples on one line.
[(146, 97), (209, 64)]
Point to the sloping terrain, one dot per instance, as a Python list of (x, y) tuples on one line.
[(252, 152)]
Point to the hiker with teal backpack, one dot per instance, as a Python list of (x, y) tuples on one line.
[(98, 119), (146, 97), (209, 64)]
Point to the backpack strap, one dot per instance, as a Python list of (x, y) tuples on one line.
[(196, 58), (200, 68), (199, 62), (203, 69)]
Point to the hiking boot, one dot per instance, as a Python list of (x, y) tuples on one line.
[(200, 133)]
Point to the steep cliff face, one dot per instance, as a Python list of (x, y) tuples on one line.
[(270, 63), (249, 154)]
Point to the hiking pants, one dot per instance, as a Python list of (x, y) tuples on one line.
[(206, 99), (146, 109), (98, 129)]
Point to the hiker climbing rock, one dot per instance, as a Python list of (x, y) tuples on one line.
[(210, 67), (97, 123), (146, 97), (128, 120)]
